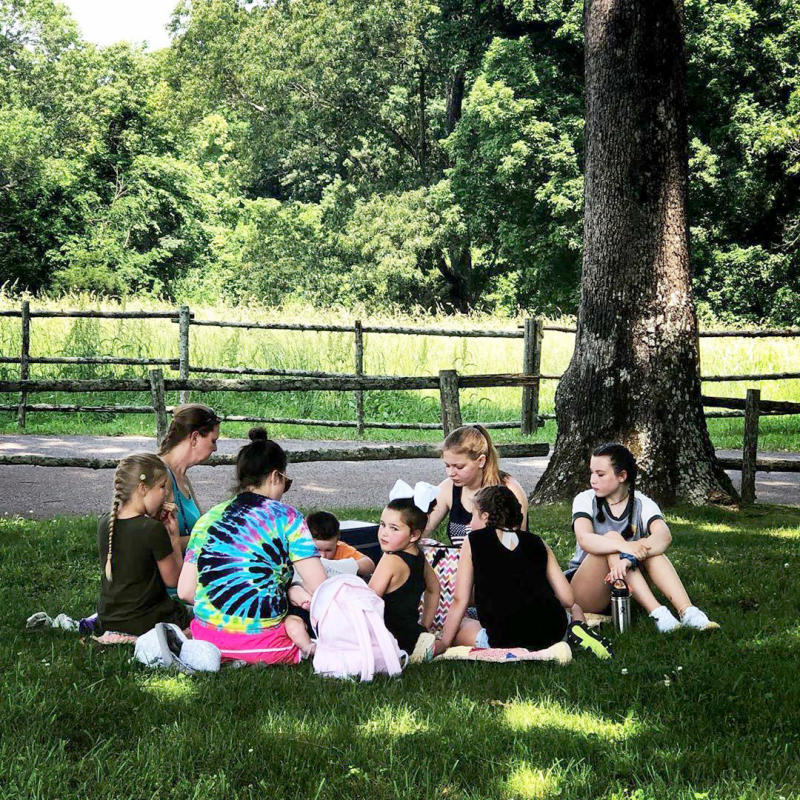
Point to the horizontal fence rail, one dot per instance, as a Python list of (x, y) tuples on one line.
[(388, 453), (448, 382)]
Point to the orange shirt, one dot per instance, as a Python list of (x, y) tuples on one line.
[(344, 550)]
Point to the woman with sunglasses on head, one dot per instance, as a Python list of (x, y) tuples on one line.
[(190, 440), (241, 558)]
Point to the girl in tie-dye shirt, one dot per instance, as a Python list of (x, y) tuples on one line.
[(240, 560)]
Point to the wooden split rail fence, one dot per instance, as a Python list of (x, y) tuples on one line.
[(532, 333), (449, 383)]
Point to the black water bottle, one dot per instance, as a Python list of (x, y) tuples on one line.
[(621, 605)]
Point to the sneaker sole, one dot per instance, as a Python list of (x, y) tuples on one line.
[(423, 649), (598, 645)]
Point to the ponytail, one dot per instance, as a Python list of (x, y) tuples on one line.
[(474, 440), (622, 460)]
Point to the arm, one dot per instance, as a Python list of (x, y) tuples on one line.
[(187, 583), (442, 507), (366, 566), (463, 592), (298, 596), (169, 567), (659, 539), (608, 543), (384, 572), (311, 572), (430, 598), (561, 587)]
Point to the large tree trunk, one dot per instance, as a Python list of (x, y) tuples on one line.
[(634, 375)]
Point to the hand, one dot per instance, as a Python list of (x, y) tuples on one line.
[(639, 549), (170, 521), (618, 570)]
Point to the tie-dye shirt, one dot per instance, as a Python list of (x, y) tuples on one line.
[(243, 549)]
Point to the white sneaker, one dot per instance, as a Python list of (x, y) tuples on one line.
[(693, 617), (664, 619)]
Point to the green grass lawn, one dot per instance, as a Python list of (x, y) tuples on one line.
[(692, 715)]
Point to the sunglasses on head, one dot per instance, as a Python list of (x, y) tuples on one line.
[(287, 481)]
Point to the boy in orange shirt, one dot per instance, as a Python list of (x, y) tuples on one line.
[(324, 529)]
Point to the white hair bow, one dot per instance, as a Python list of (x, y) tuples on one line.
[(422, 493)]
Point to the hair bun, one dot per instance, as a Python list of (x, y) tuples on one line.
[(258, 434)]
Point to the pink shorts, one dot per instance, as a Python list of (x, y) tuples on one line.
[(273, 646)]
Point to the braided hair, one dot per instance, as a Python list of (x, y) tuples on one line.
[(622, 460), (144, 468), (502, 506)]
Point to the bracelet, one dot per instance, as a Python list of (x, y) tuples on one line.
[(628, 557)]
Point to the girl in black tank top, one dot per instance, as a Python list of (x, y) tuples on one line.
[(403, 575)]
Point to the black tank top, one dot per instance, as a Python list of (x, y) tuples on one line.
[(515, 601), (458, 522), (401, 607)]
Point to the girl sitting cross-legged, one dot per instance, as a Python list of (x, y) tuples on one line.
[(240, 560), (621, 535), (140, 550), (521, 595), (403, 575)]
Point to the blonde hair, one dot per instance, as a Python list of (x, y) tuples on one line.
[(138, 468), (474, 441)]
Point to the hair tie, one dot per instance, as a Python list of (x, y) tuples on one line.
[(143, 477), (423, 493)]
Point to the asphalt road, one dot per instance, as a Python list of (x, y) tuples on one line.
[(48, 491)]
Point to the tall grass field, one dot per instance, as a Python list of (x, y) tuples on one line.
[(385, 354), (689, 716)]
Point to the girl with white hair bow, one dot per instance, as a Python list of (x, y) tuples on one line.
[(403, 575)]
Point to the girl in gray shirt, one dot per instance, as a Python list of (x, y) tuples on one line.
[(621, 535)]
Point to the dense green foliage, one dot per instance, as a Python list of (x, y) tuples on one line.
[(396, 152), (683, 717)]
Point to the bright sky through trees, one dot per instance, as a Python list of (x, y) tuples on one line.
[(107, 21)]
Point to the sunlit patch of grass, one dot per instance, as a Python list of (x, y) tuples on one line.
[(523, 716), (171, 687), (527, 782), (394, 722)]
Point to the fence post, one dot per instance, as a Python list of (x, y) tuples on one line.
[(359, 336), (531, 365), (25, 352), (184, 320), (159, 404), (451, 406), (750, 445)]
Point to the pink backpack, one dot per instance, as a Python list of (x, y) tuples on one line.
[(352, 639)]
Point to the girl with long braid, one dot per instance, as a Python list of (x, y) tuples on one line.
[(140, 550), (621, 535)]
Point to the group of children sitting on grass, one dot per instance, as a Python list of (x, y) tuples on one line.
[(253, 563)]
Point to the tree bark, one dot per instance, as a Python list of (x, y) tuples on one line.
[(634, 376)]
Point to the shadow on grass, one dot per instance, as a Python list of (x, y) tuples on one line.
[(668, 718)]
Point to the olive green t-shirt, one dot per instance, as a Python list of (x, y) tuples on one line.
[(136, 597)]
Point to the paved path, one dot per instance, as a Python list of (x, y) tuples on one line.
[(48, 491)]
